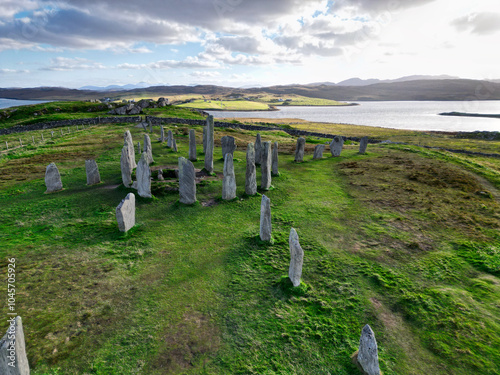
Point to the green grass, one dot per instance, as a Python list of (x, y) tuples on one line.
[(226, 105), (399, 238), (296, 100)]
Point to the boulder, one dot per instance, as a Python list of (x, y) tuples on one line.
[(52, 179), (336, 146)]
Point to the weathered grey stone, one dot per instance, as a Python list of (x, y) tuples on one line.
[(265, 166), (265, 219), (92, 171), (192, 145), (127, 141), (125, 213), (251, 174), (336, 146), (274, 163), (258, 149), (169, 139), (187, 183), (143, 174), (363, 143), (160, 175), (134, 111), (150, 126), (299, 151), (209, 153), (318, 151), (144, 125), (52, 179), (367, 355), (174, 145), (228, 145), (13, 350), (125, 166), (139, 147), (229, 180), (204, 139), (148, 148), (20, 142), (296, 258), (162, 134)]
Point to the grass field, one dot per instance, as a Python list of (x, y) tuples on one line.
[(226, 105), (403, 238), (295, 100)]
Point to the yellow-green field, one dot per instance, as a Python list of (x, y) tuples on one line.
[(226, 105)]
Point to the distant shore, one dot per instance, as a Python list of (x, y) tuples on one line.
[(464, 114)]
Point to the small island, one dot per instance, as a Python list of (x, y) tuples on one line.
[(464, 114)]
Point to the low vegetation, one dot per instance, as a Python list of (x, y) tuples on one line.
[(226, 105), (403, 238)]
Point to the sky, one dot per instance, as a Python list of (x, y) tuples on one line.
[(238, 43)]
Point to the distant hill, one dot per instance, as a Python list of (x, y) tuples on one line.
[(115, 87), (372, 81)]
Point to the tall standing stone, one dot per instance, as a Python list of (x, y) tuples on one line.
[(148, 149), (187, 183), (174, 145), (228, 145), (367, 356), (258, 149), (274, 163), (336, 146), (143, 174), (299, 151), (13, 349), (139, 147), (265, 182), (126, 167), (169, 138), (92, 171), (204, 139), (162, 134), (229, 180), (265, 219), (318, 151), (296, 258), (52, 179), (192, 145), (150, 126), (209, 154), (251, 174), (127, 141), (363, 143), (125, 213)]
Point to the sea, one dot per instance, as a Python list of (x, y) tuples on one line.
[(409, 115), (7, 103)]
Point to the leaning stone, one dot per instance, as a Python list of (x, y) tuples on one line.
[(13, 350), (265, 219), (174, 145), (258, 149), (229, 180), (296, 258), (228, 145), (265, 182), (148, 148), (299, 151), (251, 175), (187, 183), (274, 163), (125, 166), (363, 142), (92, 170), (336, 146), (192, 145), (318, 151), (125, 213), (52, 179), (209, 153), (169, 138), (144, 177), (366, 358)]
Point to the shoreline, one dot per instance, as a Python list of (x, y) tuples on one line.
[(465, 114)]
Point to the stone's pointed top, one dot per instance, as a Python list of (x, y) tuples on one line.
[(367, 357), (18, 352), (92, 171), (293, 235), (52, 179)]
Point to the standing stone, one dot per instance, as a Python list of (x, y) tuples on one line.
[(148, 149), (33, 139), (265, 219), (228, 145), (251, 175), (20, 142), (367, 356), (126, 167), (174, 145), (52, 179), (92, 170), (160, 175), (204, 139), (144, 177), (138, 147), (209, 153), (127, 141), (363, 142), (274, 166), (296, 258), (6, 145), (336, 146), (125, 213), (258, 149), (150, 126), (187, 183), (13, 349), (52, 134), (192, 145), (299, 151), (229, 180), (169, 138), (162, 134), (42, 136), (61, 132), (318, 151), (265, 182)]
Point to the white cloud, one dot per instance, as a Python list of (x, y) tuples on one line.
[(13, 71), (68, 64)]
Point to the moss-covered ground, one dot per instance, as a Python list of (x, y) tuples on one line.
[(402, 238)]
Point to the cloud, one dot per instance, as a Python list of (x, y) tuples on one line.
[(478, 23), (60, 64), (13, 71), (189, 63), (203, 74), (9, 8), (378, 6)]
